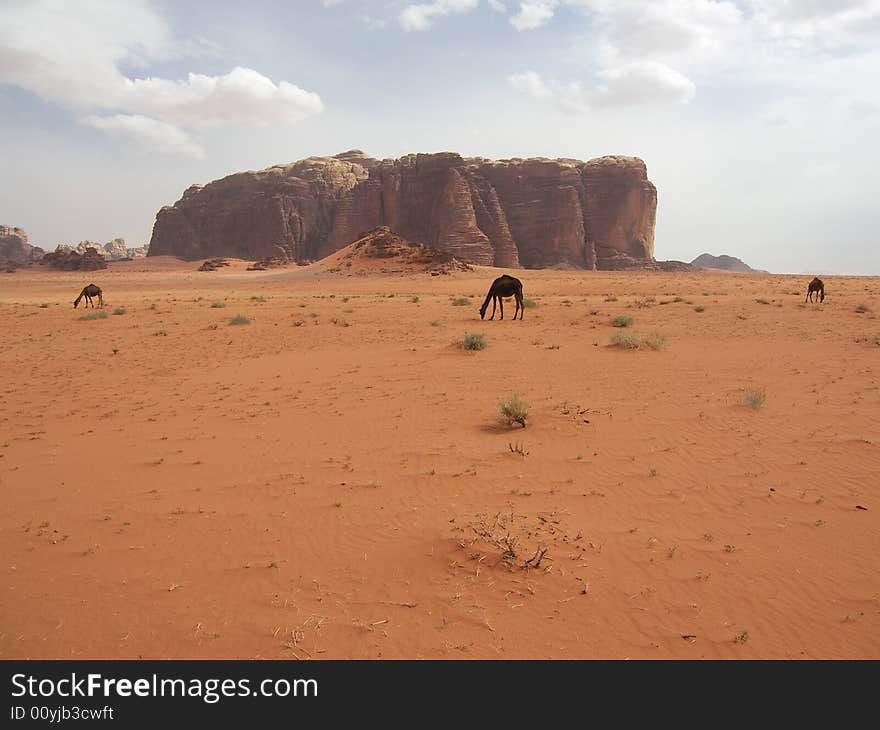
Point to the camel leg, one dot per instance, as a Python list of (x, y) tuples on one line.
[(493, 308), (501, 304)]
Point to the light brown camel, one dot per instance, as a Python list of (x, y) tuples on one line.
[(816, 287), (504, 286), (88, 292)]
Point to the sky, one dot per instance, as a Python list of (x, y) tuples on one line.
[(758, 120)]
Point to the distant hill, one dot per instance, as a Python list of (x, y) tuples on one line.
[(725, 263)]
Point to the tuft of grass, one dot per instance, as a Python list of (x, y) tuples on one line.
[(44, 306), (655, 341), (634, 341), (435, 322), (762, 301), (473, 341), (119, 311), (514, 410), (627, 340), (260, 299), (414, 300), (700, 308), (621, 320), (239, 319), (95, 315), (529, 304), (611, 298), (461, 302), (754, 397), (862, 308), (218, 305)]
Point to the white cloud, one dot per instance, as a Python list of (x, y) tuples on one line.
[(371, 22), (530, 82), (243, 96), (641, 83), (635, 84), (419, 16), (70, 54), (498, 6), (533, 14), (146, 132)]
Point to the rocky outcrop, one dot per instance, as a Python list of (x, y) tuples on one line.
[(534, 213), (724, 263), (65, 258), (382, 251), (15, 249)]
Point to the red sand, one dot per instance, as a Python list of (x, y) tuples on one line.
[(174, 486)]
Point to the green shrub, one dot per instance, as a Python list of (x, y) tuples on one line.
[(700, 308), (460, 302), (513, 410), (862, 308), (621, 320), (529, 304), (239, 319), (754, 397), (473, 341), (95, 315), (118, 311), (218, 305)]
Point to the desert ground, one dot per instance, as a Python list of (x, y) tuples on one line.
[(332, 480)]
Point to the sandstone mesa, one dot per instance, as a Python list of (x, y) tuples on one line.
[(530, 213)]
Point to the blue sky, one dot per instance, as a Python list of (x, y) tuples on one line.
[(758, 120)]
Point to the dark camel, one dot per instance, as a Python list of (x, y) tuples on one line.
[(88, 292), (816, 287), (504, 286)]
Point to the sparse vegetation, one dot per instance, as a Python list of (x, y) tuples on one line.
[(218, 305), (239, 319), (514, 410), (762, 301), (44, 306), (414, 300), (655, 341), (699, 308), (258, 299), (95, 315), (529, 304), (435, 323), (862, 308), (473, 341), (627, 340), (621, 320), (754, 397), (119, 311), (634, 341), (461, 302)]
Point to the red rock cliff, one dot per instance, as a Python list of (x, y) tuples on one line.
[(533, 213)]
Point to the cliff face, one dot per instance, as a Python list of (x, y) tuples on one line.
[(14, 247), (533, 213)]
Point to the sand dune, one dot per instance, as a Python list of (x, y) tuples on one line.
[(330, 480)]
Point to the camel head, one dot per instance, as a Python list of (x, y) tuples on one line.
[(75, 303), (483, 310)]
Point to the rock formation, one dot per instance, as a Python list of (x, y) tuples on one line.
[(723, 262), (67, 259), (15, 249), (382, 251), (533, 213)]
